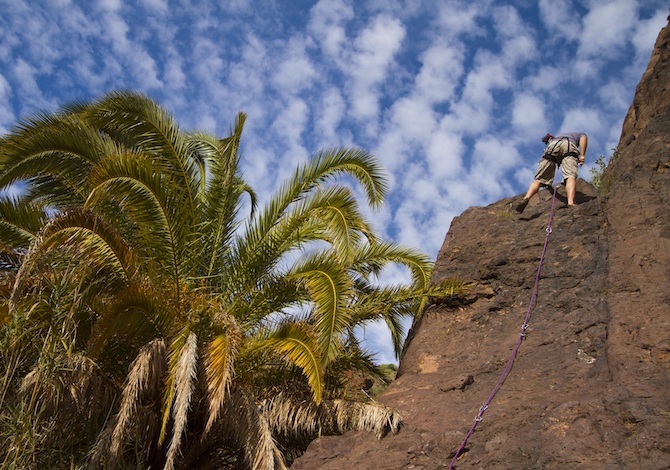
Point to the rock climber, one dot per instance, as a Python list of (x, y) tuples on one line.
[(568, 150)]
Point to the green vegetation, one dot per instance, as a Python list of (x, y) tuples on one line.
[(507, 211), (600, 178), (147, 322)]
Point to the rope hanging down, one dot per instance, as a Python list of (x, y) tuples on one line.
[(522, 334)]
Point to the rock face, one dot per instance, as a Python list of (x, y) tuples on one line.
[(590, 386)]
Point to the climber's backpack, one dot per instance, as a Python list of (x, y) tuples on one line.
[(557, 149)]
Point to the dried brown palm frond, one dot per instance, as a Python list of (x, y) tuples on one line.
[(139, 441), (145, 374), (373, 417), (83, 381), (246, 425), (101, 448), (292, 418), (184, 381), (306, 420)]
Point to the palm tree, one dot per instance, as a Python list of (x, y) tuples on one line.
[(224, 340)]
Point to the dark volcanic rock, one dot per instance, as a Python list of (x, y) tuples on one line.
[(590, 385)]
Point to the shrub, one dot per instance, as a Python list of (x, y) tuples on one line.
[(600, 178)]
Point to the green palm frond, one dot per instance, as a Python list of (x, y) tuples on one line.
[(299, 344), (355, 162), (390, 304), (137, 311), (371, 258), (329, 287), (88, 233), (59, 145), (329, 214), (20, 220), (276, 293), (448, 287), (353, 358), (153, 203), (140, 123), (221, 196), (324, 165)]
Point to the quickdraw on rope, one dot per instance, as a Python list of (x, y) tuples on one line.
[(522, 334)]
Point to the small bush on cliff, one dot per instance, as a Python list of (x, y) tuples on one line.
[(601, 179)]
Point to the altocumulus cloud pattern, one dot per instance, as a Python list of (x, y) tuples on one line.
[(452, 96)]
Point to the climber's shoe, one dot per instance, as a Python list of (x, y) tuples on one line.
[(522, 205)]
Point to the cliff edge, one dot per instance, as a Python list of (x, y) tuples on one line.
[(589, 387)]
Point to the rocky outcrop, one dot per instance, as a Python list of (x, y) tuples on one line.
[(589, 387)]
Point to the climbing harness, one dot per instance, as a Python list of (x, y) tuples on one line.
[(522, 335), (559, 148)]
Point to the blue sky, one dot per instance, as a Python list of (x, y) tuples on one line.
[(452, 96)]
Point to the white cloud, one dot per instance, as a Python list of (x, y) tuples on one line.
[(248, 74), (457, 17), (295, 72), (524, 175), (493, 157), (325, 24), (393, 150), (110, 5), (466, 118), (156, 6), (6, 115), (408, 221), (441, 70), (518, 50), (414, 119), (85, 71), (445, 154), (606, 27), (615, 97), (489, 74), (371, 58), (173, 72), (289, 127), (492, 154), (25, 76), (528, 114), (645, 33), (132, 54), (556, 14), (584, 120), (507, 23), (76, 22), (548, 78), (330, 112)]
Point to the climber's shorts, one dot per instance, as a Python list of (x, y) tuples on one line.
[(546, 169), (569, 167)]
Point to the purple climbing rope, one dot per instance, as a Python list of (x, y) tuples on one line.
[(508, 367)]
